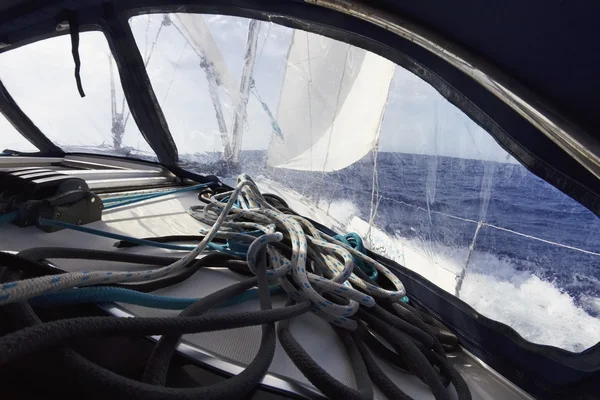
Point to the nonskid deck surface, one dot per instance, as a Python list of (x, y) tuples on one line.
[(231, 350)]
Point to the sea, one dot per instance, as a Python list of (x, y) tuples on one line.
[(535, 259)]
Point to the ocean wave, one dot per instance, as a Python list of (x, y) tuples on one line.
[(538, 309), (416, 225)]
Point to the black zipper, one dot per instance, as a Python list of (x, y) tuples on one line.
[(454, 328)]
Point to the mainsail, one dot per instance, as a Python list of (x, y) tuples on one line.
[(332, 101)]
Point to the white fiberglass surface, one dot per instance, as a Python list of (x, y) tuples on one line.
[(376, 148), (11, 139), (40, 78)]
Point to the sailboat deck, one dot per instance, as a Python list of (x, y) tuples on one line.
[(231, 350)]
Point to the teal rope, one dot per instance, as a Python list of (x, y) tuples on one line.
[(9, 217), (236, 204), (352, 239), (129, 296), (156, 194), (142, 242), (355, 241), (135, 198)]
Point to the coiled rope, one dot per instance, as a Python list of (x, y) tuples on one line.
[(315, 270), (22, 290), (334, 259)]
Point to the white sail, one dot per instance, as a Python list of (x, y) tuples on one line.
[(198, 36), (194, 29), (332, 102)]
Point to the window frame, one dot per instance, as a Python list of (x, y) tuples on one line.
[(521, 138), (498, 119)]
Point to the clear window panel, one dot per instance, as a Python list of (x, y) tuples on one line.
[(40, 78), (365, 146), (11, 139), (195, 64)]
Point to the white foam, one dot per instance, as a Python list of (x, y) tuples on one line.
[(341, 210), (420, 256), (304, 206), (592, 303), (538, 310)]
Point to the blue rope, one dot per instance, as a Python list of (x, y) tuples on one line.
[(236, 204), (351, 239), (226, 249), (142, 242), (355, 241), (135, 198), (9, 217), (129, 296), (239, 246)]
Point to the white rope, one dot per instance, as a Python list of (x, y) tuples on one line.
[(22, 290), (330, 257)]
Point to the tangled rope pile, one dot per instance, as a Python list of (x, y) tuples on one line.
[(332, 266), (317, 272)]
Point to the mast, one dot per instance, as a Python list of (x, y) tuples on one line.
[(239, 117), (118, 124), (213, 88), (197, 34)]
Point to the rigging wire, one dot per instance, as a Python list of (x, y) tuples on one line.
[(264, 42), (23, 290), (175, 68), (135, 198), (483, 224)]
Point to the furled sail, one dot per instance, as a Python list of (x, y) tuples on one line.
[(331, 105)]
